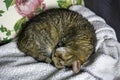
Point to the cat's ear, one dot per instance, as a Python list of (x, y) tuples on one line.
[(76, 66)]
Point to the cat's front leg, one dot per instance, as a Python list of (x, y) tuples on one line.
[(43, 58)]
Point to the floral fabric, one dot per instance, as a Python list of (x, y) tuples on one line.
[(15, 12)]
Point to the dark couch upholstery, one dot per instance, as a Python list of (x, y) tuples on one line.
[(109, 10)]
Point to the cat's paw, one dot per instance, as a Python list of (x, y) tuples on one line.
[(65, 57), (43, 58)]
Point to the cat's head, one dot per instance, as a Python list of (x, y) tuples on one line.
[(63, 58)]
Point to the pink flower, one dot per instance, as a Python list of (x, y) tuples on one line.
[(29, 8)]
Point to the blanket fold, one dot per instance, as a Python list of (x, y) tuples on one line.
[(102, 65)]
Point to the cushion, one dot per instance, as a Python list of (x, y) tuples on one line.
[(15, 12)]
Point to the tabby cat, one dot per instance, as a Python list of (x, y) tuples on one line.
[(60, 36)]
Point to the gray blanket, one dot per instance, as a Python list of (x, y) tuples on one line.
[(103, 65)]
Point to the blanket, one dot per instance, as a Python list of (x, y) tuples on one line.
[(102, 65)]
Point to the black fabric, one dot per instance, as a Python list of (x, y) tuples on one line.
[(107, 9)]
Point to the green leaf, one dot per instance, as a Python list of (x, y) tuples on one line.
[(64, 3), (19, 23), (3, 29), (9, 3), (78, 2), (68, 3), (5, 40), (39, 9), (1, 12), (13, 2), (8, 33)]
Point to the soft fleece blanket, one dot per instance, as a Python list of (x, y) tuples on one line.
[(103, 65)]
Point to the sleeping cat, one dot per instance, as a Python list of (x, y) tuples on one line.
[(59, 35)]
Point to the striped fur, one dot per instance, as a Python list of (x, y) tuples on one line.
[(43, 35)]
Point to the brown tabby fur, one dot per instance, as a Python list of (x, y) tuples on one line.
[(58, 35)]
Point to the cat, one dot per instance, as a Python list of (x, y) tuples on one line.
[(61, 36)]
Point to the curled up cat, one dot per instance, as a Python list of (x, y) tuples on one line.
[(61, 36)]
